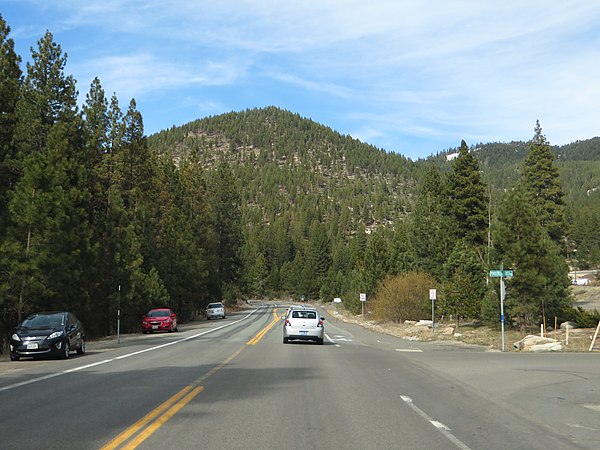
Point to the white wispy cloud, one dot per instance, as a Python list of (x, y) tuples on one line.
[(428, 73)]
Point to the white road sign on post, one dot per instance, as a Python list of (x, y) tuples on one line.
[(432, 297), (363, 299)]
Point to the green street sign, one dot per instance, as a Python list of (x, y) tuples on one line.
[(501, 273)]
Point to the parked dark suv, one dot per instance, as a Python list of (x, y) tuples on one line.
[(53, 333)]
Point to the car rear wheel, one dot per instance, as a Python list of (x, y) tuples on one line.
[(14, 357), (81, 349), (66, 350), (285, 340), (320, 341)]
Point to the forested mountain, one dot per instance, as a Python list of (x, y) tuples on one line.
[(292, 167), (578, 163)]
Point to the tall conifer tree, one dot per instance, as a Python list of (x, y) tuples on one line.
[(10, 82), (543, 181), (226, 202), (430, 232), (466, 199), (539, 288), (48, 235)]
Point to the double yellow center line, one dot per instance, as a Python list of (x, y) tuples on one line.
[(264, 331), (151, 422)]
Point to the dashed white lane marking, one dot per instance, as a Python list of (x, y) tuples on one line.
[(331, 340), (438, 425), (409, 350)]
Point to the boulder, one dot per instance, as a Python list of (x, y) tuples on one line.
[(549, 347), (568, 324), (532, 343)]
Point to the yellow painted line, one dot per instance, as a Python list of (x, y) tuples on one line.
[(264, 331), (145, 420), (152, 415), (156, 418), (149, 431), (219, 367)]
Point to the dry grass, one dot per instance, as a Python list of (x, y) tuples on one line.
[(490, 338)]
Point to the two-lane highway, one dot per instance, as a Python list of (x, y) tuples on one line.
[(233, 384)]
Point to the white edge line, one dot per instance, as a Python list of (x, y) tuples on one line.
[(98, 363), (438, 425)]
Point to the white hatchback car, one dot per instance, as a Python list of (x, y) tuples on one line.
[(303, 324)]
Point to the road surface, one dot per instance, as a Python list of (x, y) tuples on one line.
[(233, 384)]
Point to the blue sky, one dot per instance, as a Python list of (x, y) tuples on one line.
[(409, 76)]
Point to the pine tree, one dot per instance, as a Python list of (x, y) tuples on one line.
[(317, 259), (135, 165), (48, 96), (377, 261), (465, 283), (430, 232), (538, 288), (543, 181), (10, 83), (199, 212), (48, 237), (466, 198), (226, 203)]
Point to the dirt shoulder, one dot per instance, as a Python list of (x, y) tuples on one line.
[(579, 339)]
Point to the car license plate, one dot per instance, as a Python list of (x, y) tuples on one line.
[(155, 327), (303, 332), (33, 346)]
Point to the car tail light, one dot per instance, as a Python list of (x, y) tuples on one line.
[(287, 323), (320, 324)]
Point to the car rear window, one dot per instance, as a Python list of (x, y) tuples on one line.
[(304, 314), (215, 305)]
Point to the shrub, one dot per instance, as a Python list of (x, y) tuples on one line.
[(584, 318), (404, 297)]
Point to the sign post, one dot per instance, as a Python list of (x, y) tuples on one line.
[(432, 297), (502, 274), (363, 299), (119, 317)]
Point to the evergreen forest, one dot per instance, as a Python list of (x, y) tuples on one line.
[(97, 217)]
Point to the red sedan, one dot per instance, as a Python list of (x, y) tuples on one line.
[(159, 319)]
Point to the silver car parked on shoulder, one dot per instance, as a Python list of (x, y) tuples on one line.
[(214, 310), (303, 324)]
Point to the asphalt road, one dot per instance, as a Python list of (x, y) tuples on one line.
[(233, 384)]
